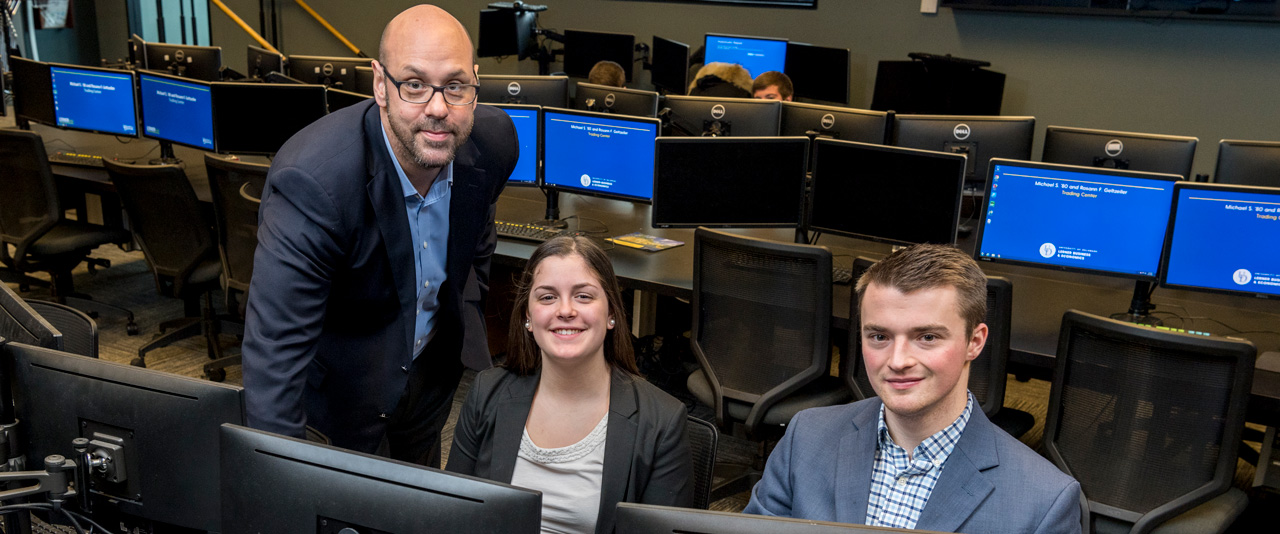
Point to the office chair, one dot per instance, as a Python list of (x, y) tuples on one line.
[(1248, 163), (703, 441), (987, 375), (236, 188), (79, 331), (31, 219), (761, 322), (1148, 422), (177, 240)]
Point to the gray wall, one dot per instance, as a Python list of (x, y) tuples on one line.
[(1205, 79)]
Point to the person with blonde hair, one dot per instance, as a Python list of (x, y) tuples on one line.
[(721, 79)]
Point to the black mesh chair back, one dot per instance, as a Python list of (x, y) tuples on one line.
[(237, 190), (167, 221), (1147, 420), (703, 441), (1248, 163), (761, 316), (79, 331), (29, 205)]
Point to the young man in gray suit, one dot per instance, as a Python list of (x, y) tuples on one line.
[(922, 454)]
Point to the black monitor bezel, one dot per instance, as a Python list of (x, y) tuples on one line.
[(133, 84), (1228, 145), (216, 50), (142, 115), (345, 93), (839, 76), (518, 78), (782, 40), (46, 88), (572, 68), (542, 141), (216, 129), (309, 78), (1167, 250), (977, 177), (684, 71), (537, 164), (578, 103), (799, 177), (981, 226), (256, 51), (959, 194), (1050, 130), (362, 77), (711, 101), (882, 115)]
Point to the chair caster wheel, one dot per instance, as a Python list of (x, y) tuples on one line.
[(138, 362), (131, 329), (215, 375)]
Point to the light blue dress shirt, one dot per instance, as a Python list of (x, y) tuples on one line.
[(429, 228)]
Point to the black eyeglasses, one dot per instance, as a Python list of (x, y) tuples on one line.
[(415, 92)]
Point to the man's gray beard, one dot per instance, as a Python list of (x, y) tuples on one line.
[(406, 138)]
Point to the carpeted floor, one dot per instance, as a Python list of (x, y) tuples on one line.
[(128, 283)]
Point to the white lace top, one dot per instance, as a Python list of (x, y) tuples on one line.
[(569, 479)]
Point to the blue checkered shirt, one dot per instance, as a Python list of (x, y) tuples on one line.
[(900, 486)]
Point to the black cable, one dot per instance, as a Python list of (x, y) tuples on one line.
[(74, 524), (86, 519)]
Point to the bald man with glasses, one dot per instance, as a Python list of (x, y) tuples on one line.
[(374, 244)]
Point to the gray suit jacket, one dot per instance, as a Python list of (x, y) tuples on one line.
[(646, 455), (991, 483)]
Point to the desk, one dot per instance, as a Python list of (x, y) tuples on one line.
[(1039, 296)]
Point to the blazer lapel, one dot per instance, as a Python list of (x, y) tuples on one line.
[(508, 426), (387, 199), (619, 442), (468, 211), (962, 486), (854, 462)]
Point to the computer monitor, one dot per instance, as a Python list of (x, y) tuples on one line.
[(861, 125), (669, 65), (583, 49), (261, 62), (737, 182), (284, 485), (338, 99), (650, 519), (187, 61), (21, 324), (1167, 154), (598, 154), (609, 99), (819, 72), (528, 122), (939, 85), (1248, 163), (257, 118), (364, 80), (507, 32), (160, 429), (545, 91), (756, 54), (978, 137), (92, 99), (336, 72), (32, 90), (1221, 239), (176, 110), (719, 117), (887, 194)]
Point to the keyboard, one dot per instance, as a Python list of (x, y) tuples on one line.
[(74, 159), (841, 275), (526, 232)]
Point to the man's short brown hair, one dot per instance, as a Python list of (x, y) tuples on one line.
[(773, 77), (930, 266), (607, 73)]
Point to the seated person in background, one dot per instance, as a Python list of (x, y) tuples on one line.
[(921, 454), (721, 79), (567, 413), (609, 73), (773, 85)]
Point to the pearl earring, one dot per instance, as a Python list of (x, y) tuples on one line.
[(611, 322), (527, 326)]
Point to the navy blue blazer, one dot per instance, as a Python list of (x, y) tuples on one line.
[(329, 329), (646, 454), (991, 483)]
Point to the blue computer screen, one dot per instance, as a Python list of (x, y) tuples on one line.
[(1225, 239), (526, 122), (596, 155), (176, 111), (755, 54), (1076, 218), (94, 100)]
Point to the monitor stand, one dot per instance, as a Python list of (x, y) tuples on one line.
[(1140, 307), (552, 217), (166, 155)]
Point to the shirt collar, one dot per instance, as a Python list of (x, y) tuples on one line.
[(934, 449), (446, 173)]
